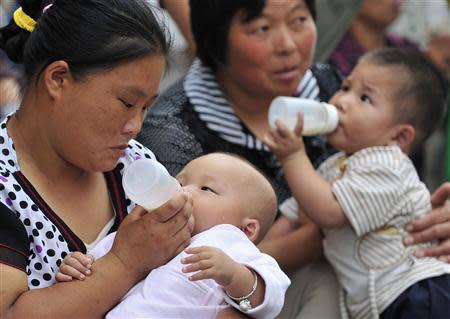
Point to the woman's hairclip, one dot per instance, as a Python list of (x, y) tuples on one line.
[(23, 20), (47, 7)]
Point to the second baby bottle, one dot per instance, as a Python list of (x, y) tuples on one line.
[(318, 117)]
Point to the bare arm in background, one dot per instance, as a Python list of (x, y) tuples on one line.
[(296, 248), (179, 11)]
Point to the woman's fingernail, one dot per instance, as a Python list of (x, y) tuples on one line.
[(82, 277), (408, 240), (409, 228), (87, 272), (419, 253)]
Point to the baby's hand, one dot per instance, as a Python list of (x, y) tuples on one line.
[(75, 265), (284, 142), (210, 263)]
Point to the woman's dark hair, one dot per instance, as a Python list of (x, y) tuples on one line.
[(210, 22), (90, 35)]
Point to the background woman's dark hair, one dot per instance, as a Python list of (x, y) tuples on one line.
[(90, 35), (210, 22)]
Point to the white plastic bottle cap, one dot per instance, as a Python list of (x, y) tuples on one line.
[(148, 183)]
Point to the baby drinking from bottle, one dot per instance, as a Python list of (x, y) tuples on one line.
[(234, 206), (365, 195)]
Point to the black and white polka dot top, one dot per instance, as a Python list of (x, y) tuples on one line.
[(32, 236)]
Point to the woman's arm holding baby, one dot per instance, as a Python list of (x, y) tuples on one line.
[(307, 236), (433, 226)]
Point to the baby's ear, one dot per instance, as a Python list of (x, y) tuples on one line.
[(403, 136), (251, 228)]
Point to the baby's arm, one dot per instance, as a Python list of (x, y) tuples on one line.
[(236, 279), (75, 265), (313, 193)]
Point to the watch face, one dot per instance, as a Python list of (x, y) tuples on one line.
[(245, 305)]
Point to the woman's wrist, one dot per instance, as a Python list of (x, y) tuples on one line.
[(126, 276), (90, 298)]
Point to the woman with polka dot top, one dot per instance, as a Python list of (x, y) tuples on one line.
[(92, 68)]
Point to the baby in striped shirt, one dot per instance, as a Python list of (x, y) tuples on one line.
[(363, 196)]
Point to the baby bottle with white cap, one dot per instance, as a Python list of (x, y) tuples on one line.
[(318, 117), (148, 183)]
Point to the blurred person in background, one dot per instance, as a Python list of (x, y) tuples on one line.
[(9, 72), (174, 14), (427, 23), (367, 31), (7, 8), (10, 91)]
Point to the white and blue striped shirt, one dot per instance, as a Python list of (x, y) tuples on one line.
[(214, 109)]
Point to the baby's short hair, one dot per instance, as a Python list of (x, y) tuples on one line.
[(423, 97), (264, 204)]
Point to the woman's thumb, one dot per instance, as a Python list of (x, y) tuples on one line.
[(135, 214)]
